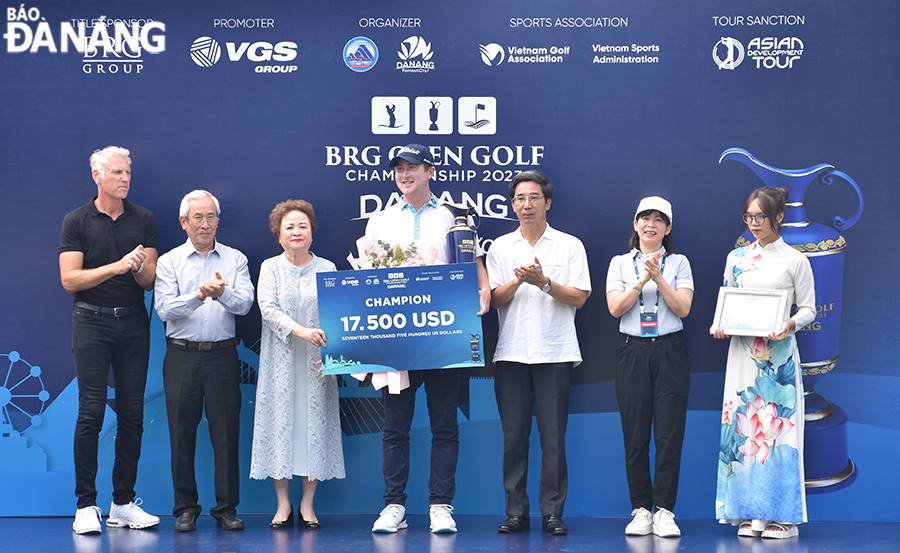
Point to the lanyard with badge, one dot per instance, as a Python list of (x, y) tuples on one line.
[(649, 321)]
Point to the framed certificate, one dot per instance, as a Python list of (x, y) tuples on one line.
[(750, 312)]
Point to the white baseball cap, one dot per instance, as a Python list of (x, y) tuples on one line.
[(655, 203)]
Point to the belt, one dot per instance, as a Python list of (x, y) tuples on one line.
[(114, 311), (663, 338), (202, 346)]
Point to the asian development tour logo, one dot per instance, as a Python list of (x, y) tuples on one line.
[(728, 53)]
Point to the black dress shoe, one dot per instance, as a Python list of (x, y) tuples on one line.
[(187, 522), (282, 524), (554, 525), (230, 522), (514, 525), (308, 524)]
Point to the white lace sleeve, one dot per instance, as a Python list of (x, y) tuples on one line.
[(271, 302)]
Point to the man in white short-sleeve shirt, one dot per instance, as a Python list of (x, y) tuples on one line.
[(539, 277)]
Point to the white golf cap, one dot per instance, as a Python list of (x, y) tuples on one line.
[(655, 203)]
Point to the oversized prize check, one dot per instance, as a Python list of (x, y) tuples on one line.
[(405, 318)]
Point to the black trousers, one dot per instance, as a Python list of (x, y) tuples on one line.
[(545, 388), (652, 384), (98, 342), (193, 378)]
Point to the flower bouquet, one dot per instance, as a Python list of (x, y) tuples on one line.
[(387, 256)]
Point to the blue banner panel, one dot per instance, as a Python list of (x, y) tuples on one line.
[(404, 318)]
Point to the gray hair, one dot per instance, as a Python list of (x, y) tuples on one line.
[(195, 195), (100, 158)]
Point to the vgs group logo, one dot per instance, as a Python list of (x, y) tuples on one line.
[(205, 51), (415, 56), (767, 52), (360, 54), (108, 45)]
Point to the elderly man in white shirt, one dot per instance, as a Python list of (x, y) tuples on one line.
[(539, 277), (200, 286)]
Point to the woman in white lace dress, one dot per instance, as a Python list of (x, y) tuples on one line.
[(297, 427)]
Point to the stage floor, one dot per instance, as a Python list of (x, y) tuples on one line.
[(348, 533)]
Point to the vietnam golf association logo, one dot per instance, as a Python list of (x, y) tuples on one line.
[(205, 51), (492, 54), (728, 53)]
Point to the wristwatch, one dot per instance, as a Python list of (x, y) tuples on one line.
[(546, 288)]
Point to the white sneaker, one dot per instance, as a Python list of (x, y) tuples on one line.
[(641, 524), (130, 515), (664, 524), (87, 521), (442, 520), (392, 518)]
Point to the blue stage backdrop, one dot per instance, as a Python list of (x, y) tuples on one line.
[(259, 102)]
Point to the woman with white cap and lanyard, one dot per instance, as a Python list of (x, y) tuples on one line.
[(651, 289)]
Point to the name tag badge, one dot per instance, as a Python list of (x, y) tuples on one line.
[(649, 325)]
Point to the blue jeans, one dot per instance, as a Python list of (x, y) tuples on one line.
[(99, 341), (442, 391)]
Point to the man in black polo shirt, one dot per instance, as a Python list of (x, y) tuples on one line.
[(107, 258)]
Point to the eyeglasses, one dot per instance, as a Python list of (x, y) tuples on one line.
[(757, 219), (211, 220), (533, 198)]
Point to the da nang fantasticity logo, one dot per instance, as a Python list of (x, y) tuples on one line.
[(728, 53), (415, 55), (205, 51), (360, 54)]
